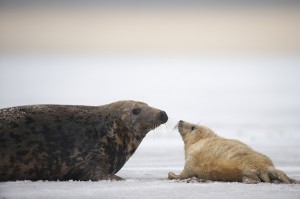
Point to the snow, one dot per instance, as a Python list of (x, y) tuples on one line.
[(253, 99), (147, 189)]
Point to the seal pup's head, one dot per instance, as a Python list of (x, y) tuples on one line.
[(192, 133)]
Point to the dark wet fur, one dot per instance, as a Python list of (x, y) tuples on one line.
[(54, 142)]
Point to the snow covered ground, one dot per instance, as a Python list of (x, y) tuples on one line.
[(253, 99)]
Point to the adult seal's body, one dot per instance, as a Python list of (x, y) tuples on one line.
[(63, 142), (211, 157)]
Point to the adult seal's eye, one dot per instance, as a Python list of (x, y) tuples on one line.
[(193, 128), (136, 111)]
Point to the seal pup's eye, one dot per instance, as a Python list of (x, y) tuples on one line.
[(136, 111), (193, 128)]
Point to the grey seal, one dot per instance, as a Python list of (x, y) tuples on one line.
[(72, 142)]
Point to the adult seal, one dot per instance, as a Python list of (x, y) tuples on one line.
[(67, 142)]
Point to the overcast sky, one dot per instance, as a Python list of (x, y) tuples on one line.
[(155, 3)]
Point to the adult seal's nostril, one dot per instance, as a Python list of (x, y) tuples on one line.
[(163, 116)]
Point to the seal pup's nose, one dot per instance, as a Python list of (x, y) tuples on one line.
[(180, 123), (163, 116)]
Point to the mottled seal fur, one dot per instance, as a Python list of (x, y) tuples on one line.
[(64, 142), (211, 157)]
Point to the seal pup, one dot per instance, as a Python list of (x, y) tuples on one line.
[(211, 157), (69, 142)]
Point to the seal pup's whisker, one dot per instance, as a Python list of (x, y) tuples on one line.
[(169, 126), (175, 127)]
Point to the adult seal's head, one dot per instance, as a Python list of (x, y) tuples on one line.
[(140, 118), (63, 142)]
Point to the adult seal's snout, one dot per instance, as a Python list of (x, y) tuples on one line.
[(63, 142), (163, 116)]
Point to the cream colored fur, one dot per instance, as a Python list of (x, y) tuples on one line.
[(211, 157)]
